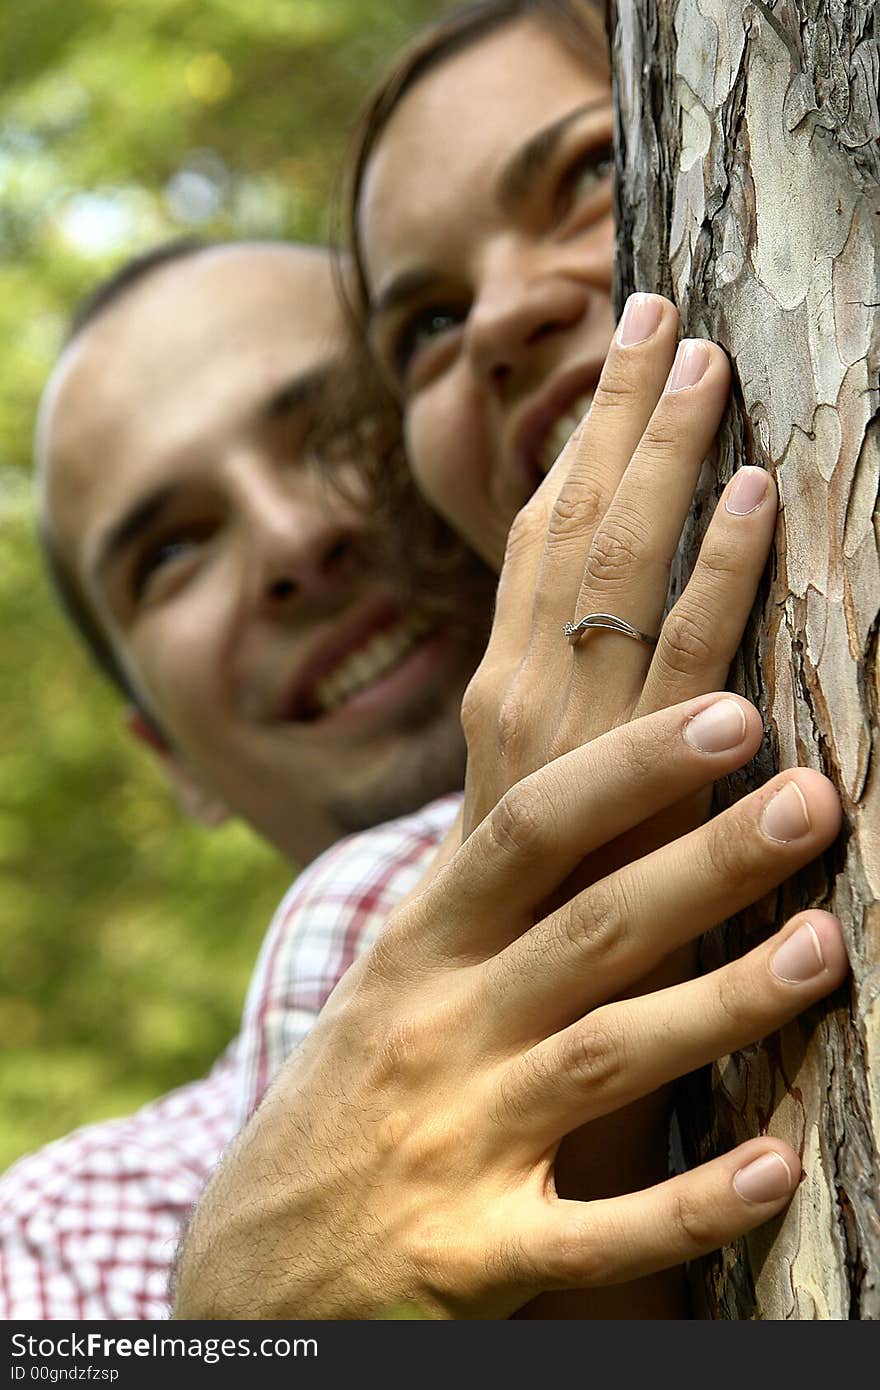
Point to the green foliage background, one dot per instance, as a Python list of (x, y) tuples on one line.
[(127, 935)]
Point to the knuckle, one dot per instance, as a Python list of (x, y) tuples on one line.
[(404, 1048), (662, 436), (592, 1057), (580, 1258), (377, 974), (691, 1223), (497, 705), (566, 519), (513, 723), (731, 854), (615, 548), (618, 385), (525, 532), (533, 1074), (579, 507), (735, 1007), (684, 645), (475, 704), (506, 1109), (717, 563), (396, 1057), (519, 824), (400, 1046), (595, 927), (644, 749), (509, 1109)]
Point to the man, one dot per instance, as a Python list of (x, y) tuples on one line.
[(236, 600), (421, 1081), (235, 595)]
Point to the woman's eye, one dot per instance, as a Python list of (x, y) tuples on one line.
[(587, 176), (421, 330)]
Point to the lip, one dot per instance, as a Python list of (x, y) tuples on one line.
[(296, 703), (536, 419)]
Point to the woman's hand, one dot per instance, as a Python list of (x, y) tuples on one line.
[(599, 536), (406, 1154)]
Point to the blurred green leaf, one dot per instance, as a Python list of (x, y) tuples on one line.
[(128, 936)]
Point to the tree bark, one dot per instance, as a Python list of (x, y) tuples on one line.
[(749, 192)]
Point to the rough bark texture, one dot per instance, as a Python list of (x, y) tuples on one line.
[(750, 193)]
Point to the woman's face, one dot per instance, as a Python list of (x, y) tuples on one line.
[(487, 237)]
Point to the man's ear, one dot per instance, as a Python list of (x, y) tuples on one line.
[(191, 796)]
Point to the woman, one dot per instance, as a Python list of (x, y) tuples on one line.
[(420, 1129), (485, 295)]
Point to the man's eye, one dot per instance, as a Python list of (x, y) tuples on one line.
[(419, 331), (159, 555)]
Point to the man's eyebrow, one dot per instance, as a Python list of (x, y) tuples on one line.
[(528, 161), (128, 527), (301, 390)]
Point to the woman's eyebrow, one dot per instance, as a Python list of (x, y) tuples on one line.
[(514, 182), (408, 285), (526, 163)]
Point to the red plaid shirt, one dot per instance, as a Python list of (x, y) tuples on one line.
[(333, 912), (89, 1225)]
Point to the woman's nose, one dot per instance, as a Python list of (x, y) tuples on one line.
[(513, 312)]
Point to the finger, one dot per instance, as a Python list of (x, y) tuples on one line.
[(606, 938), (628, 563), (551, 534), (545, 825), (581, 486), (634, 1046), (703, 630), (585, 1245)]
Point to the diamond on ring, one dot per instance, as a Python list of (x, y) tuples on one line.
[(609, 621)]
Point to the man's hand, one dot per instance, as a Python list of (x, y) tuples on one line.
[(405, 1156)]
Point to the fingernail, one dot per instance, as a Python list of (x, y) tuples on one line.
[(722, 725), (786, 817), (765, 1180), (691, 361), (800, 957), (641, 318), (747, 491)]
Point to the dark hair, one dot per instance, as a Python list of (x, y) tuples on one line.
[(67, 587), (429, 550), (429, 563)]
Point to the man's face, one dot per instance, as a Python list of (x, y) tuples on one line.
[(236, 588)]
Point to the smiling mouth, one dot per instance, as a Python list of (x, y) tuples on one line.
[(560, 433), (549, 426), (379, 654)]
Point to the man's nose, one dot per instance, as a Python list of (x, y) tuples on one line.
[(518, 305), (301, 549)]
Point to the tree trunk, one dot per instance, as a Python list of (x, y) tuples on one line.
[(749, 192)]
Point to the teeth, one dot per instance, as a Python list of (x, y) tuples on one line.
[(562, 430), (381, 653)]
